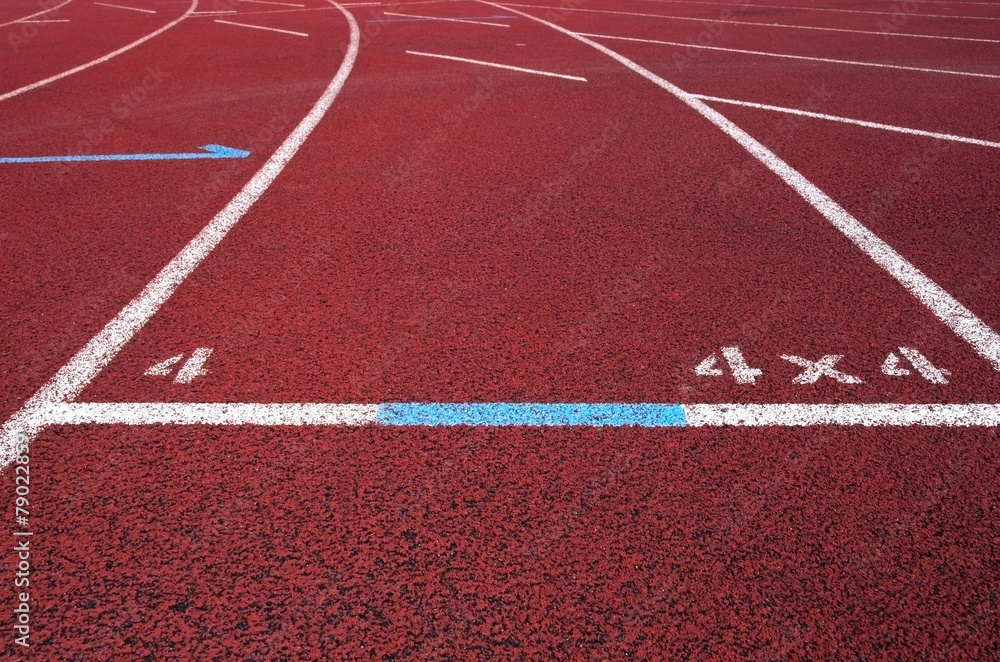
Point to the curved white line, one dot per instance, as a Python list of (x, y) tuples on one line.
[(984, 340), (44, 11), (73, 377), (103, 58)]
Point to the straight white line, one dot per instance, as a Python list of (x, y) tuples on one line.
[(73, 377), (261, 27), (765, 25), (268, 2), (498, 66), (793, 57), (848, 120), (450, 20), (214, 13), (103, 58), (957, 317), (38, 13), (283, 11), (45, 20), (843, 414), (324, 414), (738, 7), (144, 11), (166, 413)]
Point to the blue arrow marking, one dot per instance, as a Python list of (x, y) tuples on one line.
[(211, 152)]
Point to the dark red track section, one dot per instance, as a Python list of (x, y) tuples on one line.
[(460, 233)]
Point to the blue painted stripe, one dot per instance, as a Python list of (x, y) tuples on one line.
[(211, 152), (500, 413)]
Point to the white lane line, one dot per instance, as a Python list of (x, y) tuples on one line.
[(214, 13), (73, 377), (793, 57), (696, 415), (828, 9), (39, 13), (261, 27), (103, 58), (283, 11), (144, 11), (843, 414), (166, 413), (45, 20), (450, 20), (848, 120), (498, 66), (268, 2), (765, 25), (984, 340)]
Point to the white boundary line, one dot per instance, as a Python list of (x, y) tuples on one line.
[(73, 377), (848, 120), (144, 11), (261, 27), (30, 16), (696, 415), (103, 58), (792, 57), (966, 325), (268, 2), (843, 414), (829, 9), (765, 25), (450, 20), (498, 66), (45, 20)]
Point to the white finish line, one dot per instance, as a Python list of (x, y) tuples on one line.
[(531, 415)]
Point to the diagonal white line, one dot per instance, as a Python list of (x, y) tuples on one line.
[(765, 25), (962, 321), (450, 20), (268, 2), (826, 9), (73, 377), (848, 120), (103, 58), (498, 66), (261, 27), (31, 16), (144, 11), (792, 57)]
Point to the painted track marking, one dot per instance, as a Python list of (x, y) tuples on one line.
[(45, 20), (73, 377), (498, 66), (450, 20), (103, 58), (144, 11), (765, 25), (828, 9), (963, 322), (848, 120), (793, 57), (30, 16), (210, 152), (261, 27), (522, 414), (269, 2)]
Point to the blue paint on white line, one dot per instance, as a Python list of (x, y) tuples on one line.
[(211, 152), (490, 414)]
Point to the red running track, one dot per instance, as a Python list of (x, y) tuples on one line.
[(452, 232)]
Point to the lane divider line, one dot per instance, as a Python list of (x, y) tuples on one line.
[(87, 363), (39, 13), (498, 66), (269, 2), (828, 9), (503, 414), (794, 57), (764, 25), (144, 11), (261, 27), (962, 321), (848, 120), (45, 20), (103, 58), (450, 20)]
